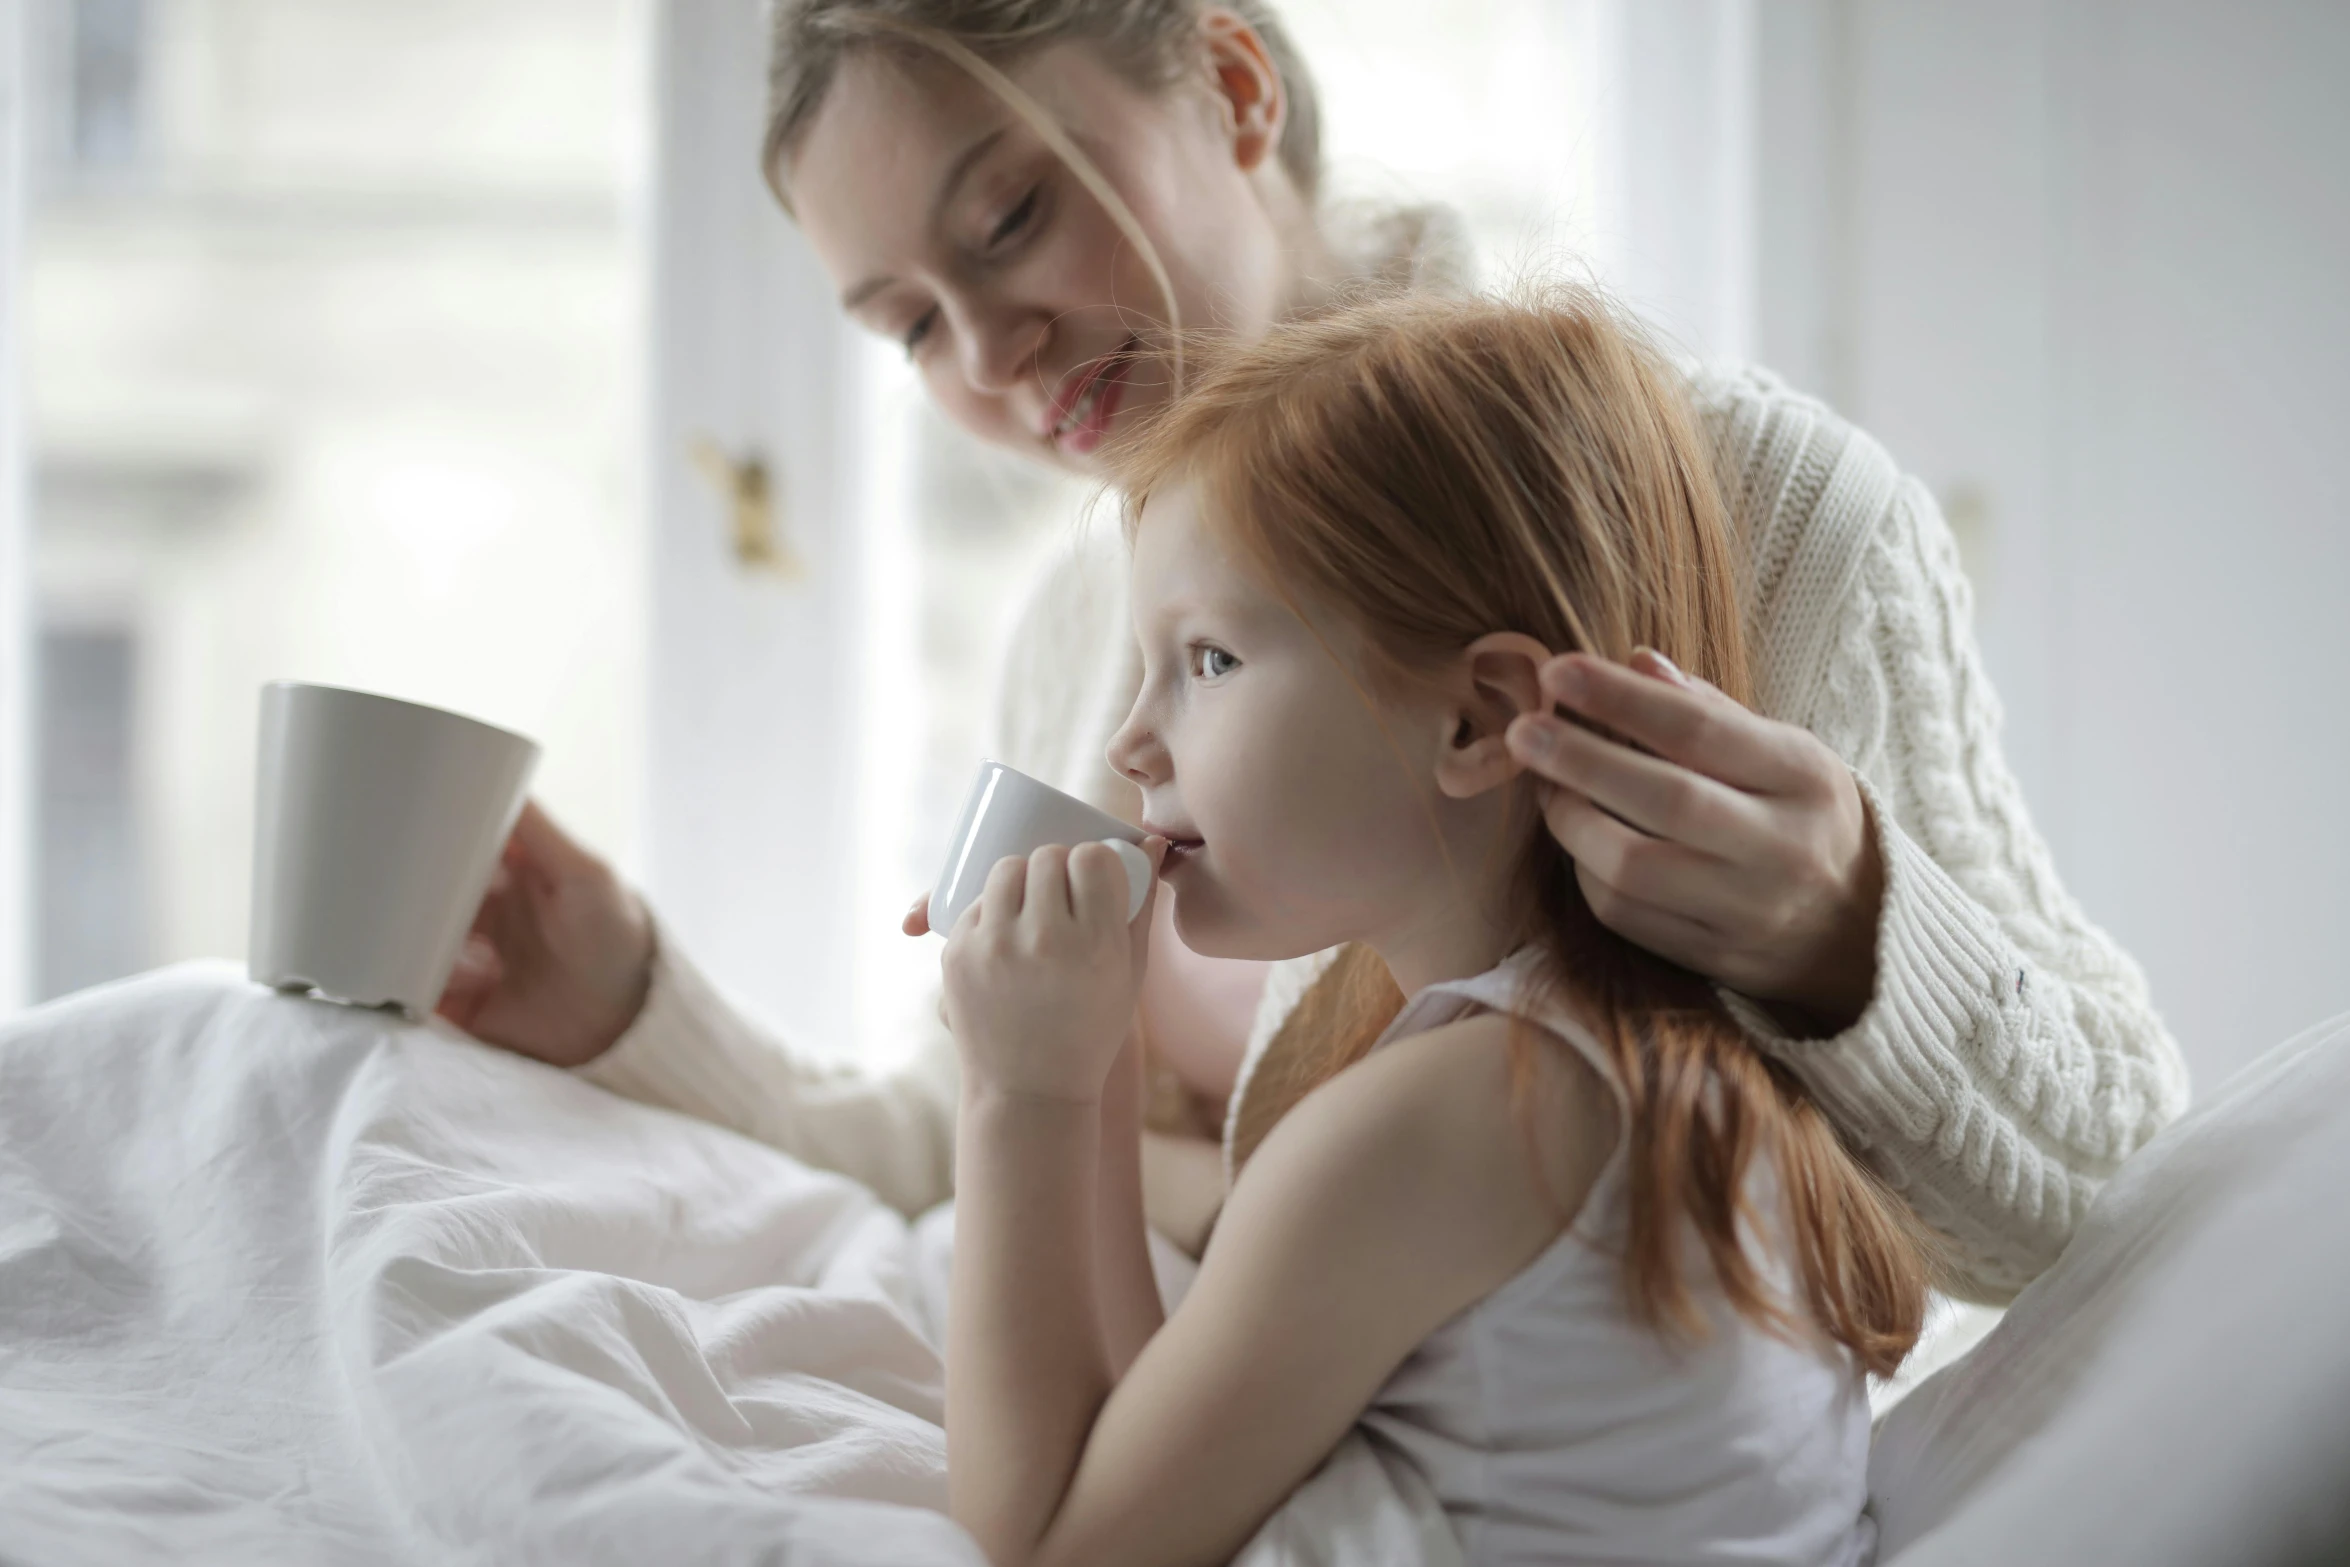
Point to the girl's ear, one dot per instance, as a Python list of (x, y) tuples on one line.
[(1247, 84), (1499, 677)]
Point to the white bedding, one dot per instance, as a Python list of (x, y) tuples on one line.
[(281, 1281)]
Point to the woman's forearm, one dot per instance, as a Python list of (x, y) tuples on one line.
[(1027, 1364), (691, 1050)]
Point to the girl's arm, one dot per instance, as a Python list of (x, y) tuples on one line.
[(1183, 1180), (1389, 1200), (1126, 1286)]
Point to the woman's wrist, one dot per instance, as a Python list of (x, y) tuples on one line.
[(1841, 978), (638, 946)]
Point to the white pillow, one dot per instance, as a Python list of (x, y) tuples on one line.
[(2176, 1389)]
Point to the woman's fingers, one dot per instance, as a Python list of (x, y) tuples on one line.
[(1628, 864), (1658, 797), (1691, 724), (472, 981), (537, 843), (1668, 933)]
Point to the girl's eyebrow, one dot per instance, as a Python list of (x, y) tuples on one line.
[(949, 183)]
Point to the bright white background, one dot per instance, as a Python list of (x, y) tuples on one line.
[(434, 297)]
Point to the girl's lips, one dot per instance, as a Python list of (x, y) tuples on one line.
[(1179, 852)]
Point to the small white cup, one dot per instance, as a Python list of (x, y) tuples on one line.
[(1007, 813), (377, 825)]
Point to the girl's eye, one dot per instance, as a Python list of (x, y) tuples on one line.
[(1016, 219), (1209, 662), (920, 330)]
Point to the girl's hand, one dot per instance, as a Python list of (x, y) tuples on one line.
[(1043, 970), (561, 952), (1731, 843)]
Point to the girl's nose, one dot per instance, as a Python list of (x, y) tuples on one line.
[(1135, 752)]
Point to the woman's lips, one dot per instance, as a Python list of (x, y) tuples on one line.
[(1084, 420)]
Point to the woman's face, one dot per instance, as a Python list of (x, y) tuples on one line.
[(949, 226)]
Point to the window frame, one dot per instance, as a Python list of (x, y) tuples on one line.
[(16, 644)]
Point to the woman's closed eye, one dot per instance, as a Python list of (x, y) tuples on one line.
[(912, 339), (1007, 228), (1210, 662), (1015, 220)]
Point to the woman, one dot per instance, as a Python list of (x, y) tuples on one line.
[(1029, 195)]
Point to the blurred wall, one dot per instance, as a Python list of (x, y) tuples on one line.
[(2081, 265)]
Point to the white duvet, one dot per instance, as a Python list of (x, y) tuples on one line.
[(285, 1282)]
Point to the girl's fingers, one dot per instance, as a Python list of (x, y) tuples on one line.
[(1691, 724), (917, 920), (1138, 930), (1657, 796), (1000, 898), (1048, 896), (1097, 885), (1630, 864)]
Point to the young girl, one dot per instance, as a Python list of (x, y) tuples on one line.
[(1528, 1206)]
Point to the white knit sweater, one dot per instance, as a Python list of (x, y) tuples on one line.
[(2010, 1058)]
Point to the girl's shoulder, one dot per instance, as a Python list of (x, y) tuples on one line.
[(1489, 1122)]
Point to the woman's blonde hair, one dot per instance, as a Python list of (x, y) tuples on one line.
[(1433, 470), (1148, 42)]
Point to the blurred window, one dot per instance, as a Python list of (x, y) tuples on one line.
[(344, 385), (109, 38), (86, 873)]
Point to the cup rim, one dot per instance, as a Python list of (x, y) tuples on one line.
[(399, 701)]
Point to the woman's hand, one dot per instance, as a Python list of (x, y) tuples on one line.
[(1730, 843), (1042, 972), (561, 953)]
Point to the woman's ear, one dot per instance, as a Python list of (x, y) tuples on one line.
[(1499, 676), (1247, 85)]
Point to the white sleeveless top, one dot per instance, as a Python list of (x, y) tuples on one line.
[(1555, 1428)]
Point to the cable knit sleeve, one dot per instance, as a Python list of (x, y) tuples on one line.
[(2010, 1058), (692, 1049)]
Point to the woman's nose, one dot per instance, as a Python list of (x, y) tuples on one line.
[(1000, 349)]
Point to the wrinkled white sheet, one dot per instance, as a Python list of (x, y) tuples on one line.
[(286, 1282)]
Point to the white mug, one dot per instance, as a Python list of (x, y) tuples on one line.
[(1010, 813), (376, 828)]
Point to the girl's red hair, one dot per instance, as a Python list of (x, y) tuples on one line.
[(1434, 470)]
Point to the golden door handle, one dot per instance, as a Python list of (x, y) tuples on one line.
[(747, 490)]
